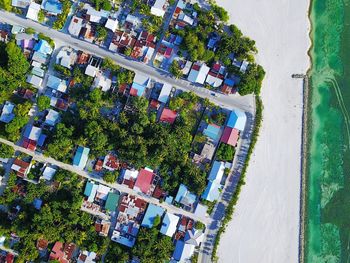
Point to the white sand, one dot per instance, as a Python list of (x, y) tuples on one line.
[(265, 226)]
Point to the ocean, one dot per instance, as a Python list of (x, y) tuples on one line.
[(328, 173)]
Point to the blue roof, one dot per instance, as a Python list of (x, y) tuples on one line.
[(88, 188), (7, 114), (229, 82), (169, 200), (152, 212), (211, 192), (216, 171), (212, 131), (128, 241), (81, 157), (92, 194), (43, 47), (41, 140), (181, 193), (237, 120), (37, 203), (140, 89), (178, 250), (52, 6)]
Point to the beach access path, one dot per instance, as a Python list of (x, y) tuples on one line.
[(265, 225)]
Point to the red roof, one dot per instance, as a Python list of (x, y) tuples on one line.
[(168, 52), (144, 180), (57, 251), (9, 258), (230, 136), (226, 89), (133, 92), (168, 116), (98, 165), (196, 67), (154, 104), (29, 144)]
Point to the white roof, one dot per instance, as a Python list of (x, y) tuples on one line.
[(244, 66), (35, 80), (164, 93), (52, 117), (20, 3), (33, 11), (112, 24), (91, 71), (186, 18), (95, 16), (103, 82), (158, 8), (36, 64), (103, 189), (7, 112), (187, 253), (213, 81), (142, 79), (48, 173), (89, 257), (75, 26), (130, 174), (169, 224), (132, 19), (35, 133), (199, 75)]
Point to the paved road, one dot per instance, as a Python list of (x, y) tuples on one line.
[(41, 158), (218, 213), (233, 101)]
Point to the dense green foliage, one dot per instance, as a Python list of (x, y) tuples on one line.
[(60, 218), (101, 33), (225, 152), (65, 72), (231, 206), (43, 102), (6, 151), (175, 69), (13, 129), (6, 4), (62, 18), (102, 4), (251, 81)]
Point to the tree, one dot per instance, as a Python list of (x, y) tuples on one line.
[(30, 31), (41, 16), (111, 177), (17, 63), (220, 12), (251, 81), (43, 102), (6, 151), (101, 33), (175, 69), (127, 51), (225, 152), (62, 142)]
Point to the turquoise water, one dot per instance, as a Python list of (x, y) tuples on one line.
[(328, 189)]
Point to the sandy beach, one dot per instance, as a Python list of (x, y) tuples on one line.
[(265, 226)]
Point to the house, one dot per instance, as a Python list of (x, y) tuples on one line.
[(33, 11), (198, 73), (183, 252), (33, 137), (91, 70), (132, 21), (75, 26), (151, 213), (103, 81), (194, 237), (62, 252), (142, 79), (42, 244), (21, 3), (237, 120), (38, 71), (186, 19), (187, 67), (206, 154), (185, 197), (4, 36), (37, 203), (52, 118), (158, 9), (21, 168), (169, 224), (102, 192), (35, 81), (244, 66), (168, 116), (7, 114), (43, 47), (144, 181), (59, 103), (90, 191), (102, 227), (56, 83), (53, 7), (87, 257), (129, 177), (214, 80), (40, 57), (81, 157), (164, 93), (230, 136), (48, 173), (25, 93), (66, 57), (212, 191), (94, 16), (212, 131), (112, 201), (111, 24), (110, 162)]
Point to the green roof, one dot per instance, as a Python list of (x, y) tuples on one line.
[(112, 201)]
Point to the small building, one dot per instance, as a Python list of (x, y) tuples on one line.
[(7, 114), (237, 120), (112, 201), (212, 131), (75, 26), (33, 137), (93, 15), (137, 89), (165, 93), (62, 252), (185, 197), (91, 70), (102, 192), (183, 252), (169, 224), (43, 47), (158, 9), (212, 191), (66, 57), (56, 83), (90, 191), (168, 116), (198, 73), (102, 227), (33, 11), (48, 173), (194, 237), (111, 24), (21, 3), (81, 157), (151, 213), (214, 80), (40, 57), (52, 118), (230, 136), (144, 181), (53, 7), (87, 257), (35, 81), (102, 81), (21, 168), (111, 162)]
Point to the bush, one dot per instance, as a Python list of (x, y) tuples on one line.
[(6, 151), (225, 152), (43, 102)]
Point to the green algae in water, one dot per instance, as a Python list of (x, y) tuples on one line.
[(328, 189)]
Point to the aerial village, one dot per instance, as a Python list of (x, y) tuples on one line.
[(99, 118)]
